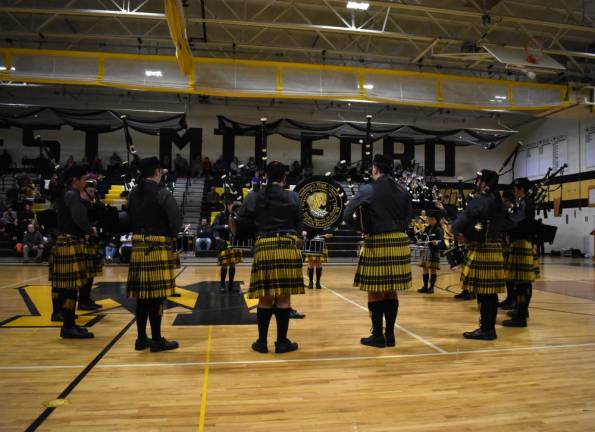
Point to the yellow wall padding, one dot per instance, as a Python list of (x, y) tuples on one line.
[(266, 79)]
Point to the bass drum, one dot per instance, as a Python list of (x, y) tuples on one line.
[(323, 201)]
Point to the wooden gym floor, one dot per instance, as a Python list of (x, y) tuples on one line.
[(541, 378)]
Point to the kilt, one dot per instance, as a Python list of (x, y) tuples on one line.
[(384, 263), (94, 262), (152, 264), (522, 265), (68, 263), (483, 272), (276, 268), (433, 260), (317, 259), (230, 256)]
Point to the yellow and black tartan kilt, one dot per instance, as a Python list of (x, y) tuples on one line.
[(432, 262), (68, 263), (94, 263), (151, 273), (522, 265), (276, 268), (317, 259), (230, 256), (483, 271), (384, 263)]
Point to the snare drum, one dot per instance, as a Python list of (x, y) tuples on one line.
[(314, 247), (242, 244), (455, 256)]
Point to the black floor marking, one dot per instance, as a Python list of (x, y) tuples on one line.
[(46, 413)]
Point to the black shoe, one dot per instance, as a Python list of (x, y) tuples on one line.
[(293, 314), (163, 345), (318, 286), (513, 313), (89, 306), (75, 333), (142, 344), (260, 347), (310, 285), (465, 295), (390, 340), (377, 341), (222, 289), (515, 322), (285, 346), (58, 317), (422, 290), (507, 304), (480, 334), (430, 291)]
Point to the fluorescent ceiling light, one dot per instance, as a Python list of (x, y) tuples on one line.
[(368, 86), (151, 73), (500, 97), (3, 68), (358, 5)]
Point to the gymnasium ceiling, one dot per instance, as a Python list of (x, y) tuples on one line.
[(419, 35)]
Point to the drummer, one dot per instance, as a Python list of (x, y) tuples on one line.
[(315, 261), (430, 262), (228, 256)]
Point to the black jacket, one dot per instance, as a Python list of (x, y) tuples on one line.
[(433, 233), (273, 210), (386, 205), (153, 210), (219, 223), (486, 211), (522, 219), (72, 214)]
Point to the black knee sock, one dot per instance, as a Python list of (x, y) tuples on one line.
[(488, 310), (68, 305), (263, 317), (318, 275), (523, 292), (377, 311), (310, 274), (223, 275), (432, 280), (282, 316), (85, 292), (425, 277), (142, 314), (232, 274), (391, 308), (510, 294), (56, 306), (155, 315)]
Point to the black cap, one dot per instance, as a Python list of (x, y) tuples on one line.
[(489, 177), (522, 182), (147, 166), (383, 163)]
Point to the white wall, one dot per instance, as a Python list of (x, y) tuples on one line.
[(572, 135)]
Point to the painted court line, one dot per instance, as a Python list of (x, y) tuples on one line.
[(400, 327), (205, 384), (309, 360)]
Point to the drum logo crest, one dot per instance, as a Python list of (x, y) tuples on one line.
[(322, 201)]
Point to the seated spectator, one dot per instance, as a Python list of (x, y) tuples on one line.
[(5, 161), (234, 165), (296, 170), (221, 166), (11, 222), (96, 165), (32, 241), (213, 199), (255, 181), (207, 167), (70, 162), (26, 216), (115, 159), (251, 165), (111, 249), (204, 236)]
